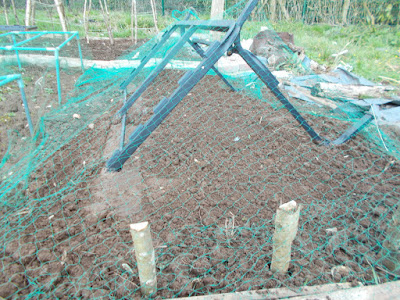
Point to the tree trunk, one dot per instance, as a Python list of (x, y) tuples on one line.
[(15, 12), (28, 12), (61, 14), (153, 8), (134, 21), (346, 6), (106, 16), (217, 9)]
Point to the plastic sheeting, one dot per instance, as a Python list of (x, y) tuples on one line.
[(339, 75)]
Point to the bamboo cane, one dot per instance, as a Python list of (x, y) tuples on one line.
[(61, 14), (134, 33), (104, 10), (153, 8)]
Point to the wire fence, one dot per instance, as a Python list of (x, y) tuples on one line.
[(209, 180)]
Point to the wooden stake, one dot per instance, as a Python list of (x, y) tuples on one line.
[(61, 14), (134, 17), (106, 16), (86, 12), (153, 8), (145, 257), (286, 224), (5, 12)]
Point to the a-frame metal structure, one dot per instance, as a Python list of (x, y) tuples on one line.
[(229, 44)]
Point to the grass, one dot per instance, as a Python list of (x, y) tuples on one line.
[(372, 51)]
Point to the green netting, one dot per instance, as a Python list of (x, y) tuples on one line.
[(209, 181)]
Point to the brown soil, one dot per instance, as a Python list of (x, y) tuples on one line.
[(40, 87), (209, 181), (41, 91), (103, 50)]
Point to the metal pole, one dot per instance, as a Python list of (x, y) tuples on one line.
[(28, 115), (16, 52), (56, 54), (80, 52), (304, 11), (122, 142), (163, 7)]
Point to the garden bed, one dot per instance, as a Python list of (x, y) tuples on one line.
[(209, 181)]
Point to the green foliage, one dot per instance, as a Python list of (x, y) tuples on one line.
[(389, 12), (373, 51)]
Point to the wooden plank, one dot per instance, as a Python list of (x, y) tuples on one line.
[(323, 101), (386, 291), (280, 293), (16, 28), (349, 92), (339, 291)]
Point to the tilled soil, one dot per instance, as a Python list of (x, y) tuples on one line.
[(209, 181), (101, 49), (40, 86)]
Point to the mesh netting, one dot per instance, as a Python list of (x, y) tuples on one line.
[(209, 180)]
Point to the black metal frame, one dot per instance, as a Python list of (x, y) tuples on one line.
[(230, 43)]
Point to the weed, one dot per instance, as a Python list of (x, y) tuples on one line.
[(49, 91), (7, 117), (27, 79)]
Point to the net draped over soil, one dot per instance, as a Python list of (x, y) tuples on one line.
[(209, 181)]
